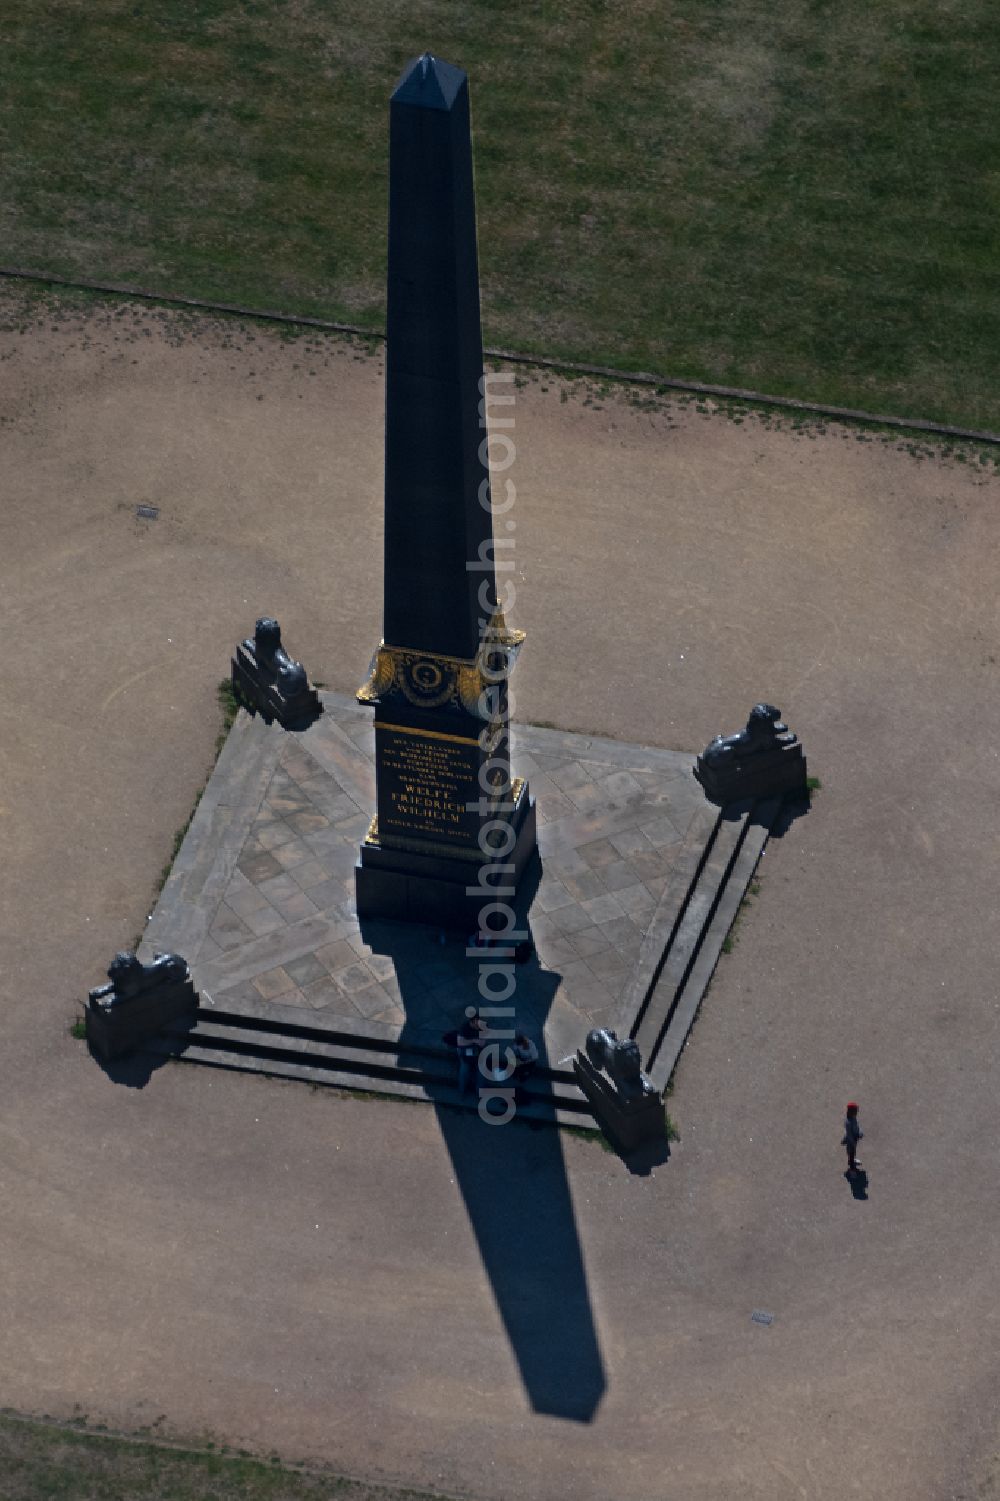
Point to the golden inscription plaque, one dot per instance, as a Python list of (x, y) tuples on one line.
[(424, 784)]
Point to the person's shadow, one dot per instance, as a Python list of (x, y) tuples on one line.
[(512, 1179), (857, 1182)]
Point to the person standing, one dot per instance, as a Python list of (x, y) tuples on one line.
[(852, 1135), (469, 1043), (526, 1054)]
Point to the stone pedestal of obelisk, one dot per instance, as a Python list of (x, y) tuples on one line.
[(452, 828)]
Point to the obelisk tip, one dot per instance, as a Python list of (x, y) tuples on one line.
[(429, 83)]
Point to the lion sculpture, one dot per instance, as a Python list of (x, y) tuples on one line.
[(760, 734), (131, 978), (619, 1058), (272, 657)]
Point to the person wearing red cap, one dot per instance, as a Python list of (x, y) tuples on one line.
[(852, 1135)]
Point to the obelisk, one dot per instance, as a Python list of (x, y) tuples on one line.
[(449, 816)]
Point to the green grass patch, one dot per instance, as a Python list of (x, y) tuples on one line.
[(47, 1462), (803, 199), (595, 1138), (230, 708), (729, 942)]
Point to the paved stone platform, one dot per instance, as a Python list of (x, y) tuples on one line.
[(260, 898)]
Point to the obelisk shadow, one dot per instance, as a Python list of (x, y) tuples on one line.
[(512, 1178), (513, 1181)]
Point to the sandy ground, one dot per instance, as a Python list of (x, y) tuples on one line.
[(296, 1271)]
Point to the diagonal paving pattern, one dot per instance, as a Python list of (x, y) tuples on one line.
[(267, 914)]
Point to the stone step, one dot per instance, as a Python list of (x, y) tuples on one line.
[(694, 851), (679, 1011), (684, 943), (343, 1061), (381, 1041)]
